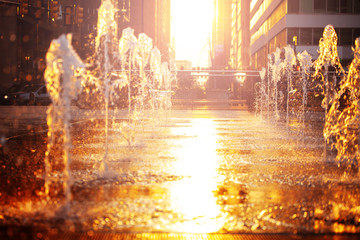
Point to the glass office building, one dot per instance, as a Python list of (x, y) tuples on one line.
[(300, 23)]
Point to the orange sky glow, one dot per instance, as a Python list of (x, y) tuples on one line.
[(191, 26)]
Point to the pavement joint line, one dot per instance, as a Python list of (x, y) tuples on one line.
[(42, 131)]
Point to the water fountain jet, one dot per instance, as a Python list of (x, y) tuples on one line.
[(64, 68), (343, 118)]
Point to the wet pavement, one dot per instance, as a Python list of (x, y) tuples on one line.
[(186, 171)]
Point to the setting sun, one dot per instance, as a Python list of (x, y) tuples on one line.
[(191, 29)]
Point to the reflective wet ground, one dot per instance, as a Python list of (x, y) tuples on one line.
[(199, 171)]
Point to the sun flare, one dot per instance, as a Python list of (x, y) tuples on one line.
[(191, 29), (193, 197)]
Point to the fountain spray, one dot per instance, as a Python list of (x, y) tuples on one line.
[(343, 119), (305, 64), (328, 57), (289, 62), (107, 31), (62, 81), (276, 74), (262, 94)]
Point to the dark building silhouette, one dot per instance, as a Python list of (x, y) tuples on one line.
[(26, 35)]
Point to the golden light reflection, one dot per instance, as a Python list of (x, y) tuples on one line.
[(197, 160), (191, 27)]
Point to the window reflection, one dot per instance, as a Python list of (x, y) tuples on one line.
[(293, 6), (317, 35), (293, 32), (346, 6), (345, 36), (311, 36), (319, 6), (305, 36), (333, 6), (356, 6), (306, 6), (356, 33), (324, 6)]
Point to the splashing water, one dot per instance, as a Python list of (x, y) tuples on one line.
[(343, 119), (305, 64), (261, 95), (340, 92), (328, 58), (117, 64), (62, 81), (107, 31), (289, 62), (275, 78)]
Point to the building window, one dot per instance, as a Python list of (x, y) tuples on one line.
[(312, 36), (293, 6), (324, 6), (356, 6), (306, 6), (356, 34), (345, 36), (346, 6), (305, 36), (319, 6), (293, 32), (333, 6), (317, 34)]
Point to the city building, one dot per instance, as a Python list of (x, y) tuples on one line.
[(221, 43), (221, 34), (300, 23), (240, 35), (29, 26), (151, 17)]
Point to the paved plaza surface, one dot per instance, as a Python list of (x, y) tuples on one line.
[(223, 172)]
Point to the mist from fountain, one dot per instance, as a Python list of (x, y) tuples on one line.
[(343, 118), (129, 62), (328, 57), (276, 68), (289, 62), (340, 94), (261, 96), (64, 68), (107, 31), (305, 62)]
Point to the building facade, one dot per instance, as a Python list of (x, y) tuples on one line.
[(220, 43), (240, 35), (28, 27), (221, 34), (151, 17), (300, 23)]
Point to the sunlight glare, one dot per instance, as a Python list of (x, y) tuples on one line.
[(191, 28), (198, 162)]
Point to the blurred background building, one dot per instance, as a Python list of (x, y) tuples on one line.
[(300, 23), (258, 27), (28, 26), (221, 43), (245, 32)]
